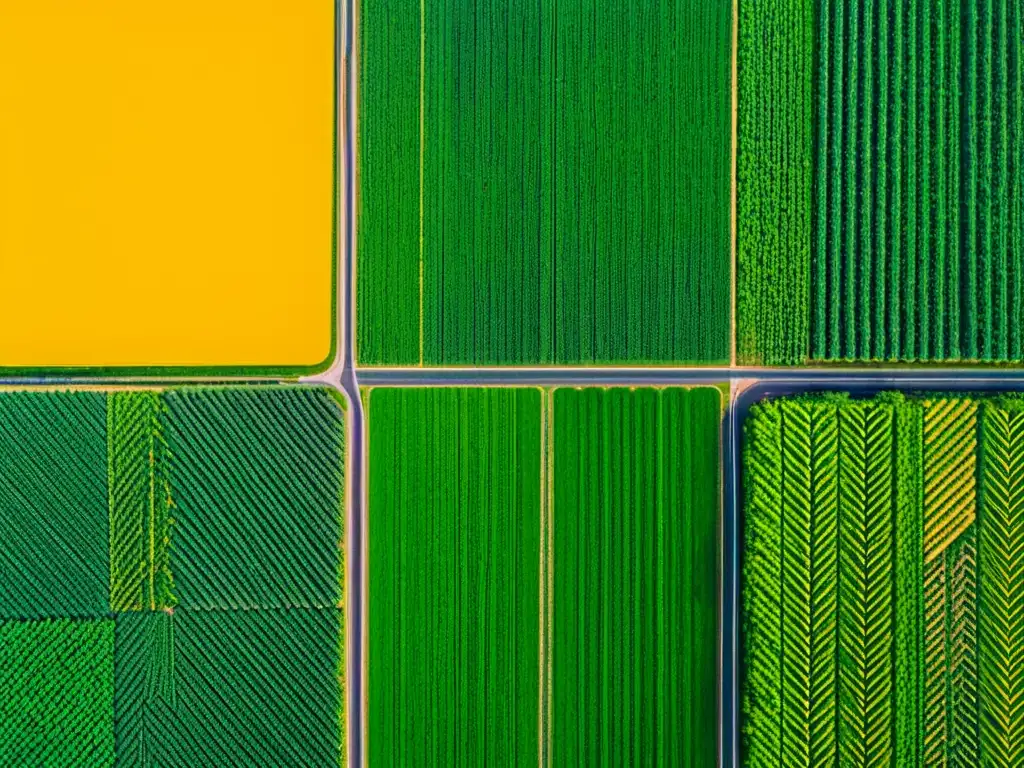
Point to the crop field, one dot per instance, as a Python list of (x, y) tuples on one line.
[(634, 563), (880, 194), (218, 133), (543, 183), (543, 575), (454, 568), (884, 544), (172, 575)]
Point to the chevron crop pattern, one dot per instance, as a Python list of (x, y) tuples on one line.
[(883, 608), (171, 578)]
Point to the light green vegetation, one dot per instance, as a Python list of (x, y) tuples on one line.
[(881, 207), (543, 575), (634, 561), (138, 485), (773, 180), (57, 693), (454, 561), (225, 504), (543, 183), (881, 589)]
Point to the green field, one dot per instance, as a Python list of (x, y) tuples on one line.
[(543, 183), (454, 558), (543, 578), (884, 542), (172, 575), (634, 633), (57, 693), (880, 198)]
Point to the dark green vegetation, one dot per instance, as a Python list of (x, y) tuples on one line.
[(57, 693), (883, 564), (543, 183), (258, 497), (880, 197), (208, 521), (634, 561), (229, 688), (53, 506), (543, 576), (454, 563)]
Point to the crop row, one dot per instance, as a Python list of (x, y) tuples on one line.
[(543, 576), (884, 547), (543, 182)]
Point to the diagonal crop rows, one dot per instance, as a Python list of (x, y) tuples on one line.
[(883, 612), (246, 668)]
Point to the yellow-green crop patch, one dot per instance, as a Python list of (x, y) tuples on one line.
[(882, 581)]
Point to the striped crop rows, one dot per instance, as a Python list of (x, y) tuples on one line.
[(172, 578), (543, 183), (882, 617), (880, 197), (543, 576)]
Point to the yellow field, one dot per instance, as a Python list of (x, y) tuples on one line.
[(166, 182)]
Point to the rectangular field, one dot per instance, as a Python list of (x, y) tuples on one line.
[(880, 192), (884, 553), (454, 564), (634, 633), (168, 190), (175, 557), (543, 183), (543, 577)]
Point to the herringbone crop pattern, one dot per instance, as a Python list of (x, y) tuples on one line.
[(882, 622)]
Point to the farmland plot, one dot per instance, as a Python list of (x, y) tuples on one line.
[(454, 569), (543, 183), (634, 566), (543, 575), (883, 563), (172, 576)]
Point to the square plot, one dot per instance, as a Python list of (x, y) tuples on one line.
[(167, 183), (882, 564), (543, 183), (57, 702), (54, 555)]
